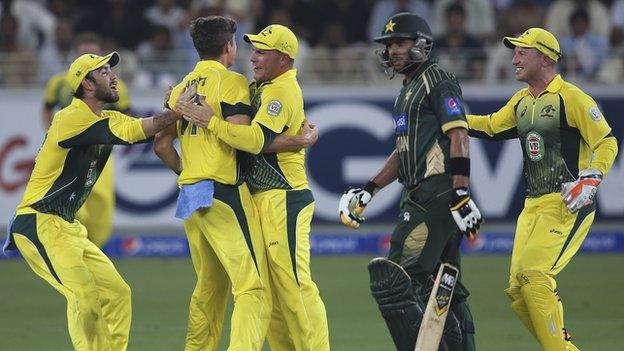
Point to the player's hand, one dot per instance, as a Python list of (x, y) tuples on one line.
[(581, 192), (353, 202), (309, 134), (465, 213), (198, 114), (167, 97), (346, 208)]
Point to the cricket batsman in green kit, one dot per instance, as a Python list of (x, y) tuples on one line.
[(436, 210)]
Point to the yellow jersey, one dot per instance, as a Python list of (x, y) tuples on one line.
[(204, 156), (562, 131), (74, 152), (58, 94), (278, 106)]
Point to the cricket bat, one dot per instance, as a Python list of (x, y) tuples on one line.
[(432, 326)]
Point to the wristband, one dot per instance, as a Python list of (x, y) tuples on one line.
[(371, 187), (459, 166)]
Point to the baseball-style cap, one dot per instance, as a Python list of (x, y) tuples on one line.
[(275, 37), (536, 38), (87, 63)]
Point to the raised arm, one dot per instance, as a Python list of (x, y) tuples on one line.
[(500, 125)]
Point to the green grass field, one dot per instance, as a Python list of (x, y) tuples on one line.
[(32, 314)]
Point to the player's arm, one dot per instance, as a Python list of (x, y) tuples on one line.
[(164, 149), (583, 113), (293, 143), (500, 125), (448, 106)]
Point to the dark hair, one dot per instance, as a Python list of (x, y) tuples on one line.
[(579, 14), (79, 94), (456, 8), (210, 34)]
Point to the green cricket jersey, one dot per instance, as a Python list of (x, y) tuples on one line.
[(427, 107)]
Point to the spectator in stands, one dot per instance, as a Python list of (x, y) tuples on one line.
[(353, 14), (515, 19), (583, 51), (617, 18), (56, 55), (17, 62), (35, 23), (480, 20), (304, 15), (160, 64), (383, 9), (166, 13), (558, 16), (458, 51)]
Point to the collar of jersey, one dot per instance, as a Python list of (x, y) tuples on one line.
[(203, 64), (81, 105), (290, 74), (553, 87)]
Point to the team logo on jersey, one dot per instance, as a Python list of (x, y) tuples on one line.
[(274, 108), (91, 175), (535, 146), (453, 107), (400, 123), (595, 114), (548, 111), (524, 110)]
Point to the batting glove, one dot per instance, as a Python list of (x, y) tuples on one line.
[(465, 213), (353, 202), (581, 192)]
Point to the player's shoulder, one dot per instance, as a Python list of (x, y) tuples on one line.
[(433, 75), (571, 93)]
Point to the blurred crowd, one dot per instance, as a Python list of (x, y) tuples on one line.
[(37, 36)]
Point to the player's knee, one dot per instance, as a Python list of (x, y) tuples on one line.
[(390, 285), (536, 277)]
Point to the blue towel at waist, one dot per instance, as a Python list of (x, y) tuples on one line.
[(193, 197)]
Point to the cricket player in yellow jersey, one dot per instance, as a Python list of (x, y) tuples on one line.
[(220, 218), (280, 188), (44, 229), (568, 148), (97, 212)]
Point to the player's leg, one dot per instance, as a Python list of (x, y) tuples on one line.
[(557, 236), (54, 249), (524, 227), (426, 230), (460, 309), (114, 295), (285, 218), (209, 298), (97, 212), (233, 231)]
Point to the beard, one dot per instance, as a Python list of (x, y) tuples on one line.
[(106, 94)]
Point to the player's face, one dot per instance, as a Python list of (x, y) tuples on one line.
[(399, 52), (527, 62), (105, 84), (266, 64)]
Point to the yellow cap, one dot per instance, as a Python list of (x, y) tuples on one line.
[(275, 37), (539, 39), (87, 63)]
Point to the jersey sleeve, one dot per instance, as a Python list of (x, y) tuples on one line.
[(500, 125), (50, 98), (583, 113), (115, 128), (274, 112), (235, 97), (447, 103)]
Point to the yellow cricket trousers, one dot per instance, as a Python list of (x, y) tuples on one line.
[(226, 248), (299, 320), (99, 310)]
